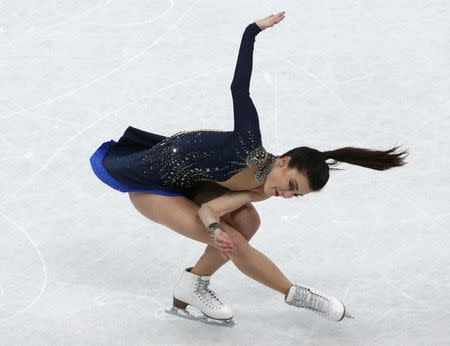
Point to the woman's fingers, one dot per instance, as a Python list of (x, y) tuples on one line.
[(224, 243), (279, 16), (226, 251), (226, 246), (223, 240), (271, 20)]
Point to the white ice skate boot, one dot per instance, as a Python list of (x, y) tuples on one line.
[(193, 290), (314, 300)]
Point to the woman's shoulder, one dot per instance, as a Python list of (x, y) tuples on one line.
[(258, 194)]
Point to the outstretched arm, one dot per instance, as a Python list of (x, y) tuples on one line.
[(243, 70), (245, 114)]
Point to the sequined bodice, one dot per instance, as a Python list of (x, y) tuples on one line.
[(188, 157)]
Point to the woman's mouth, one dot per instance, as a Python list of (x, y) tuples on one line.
[(276, 193)]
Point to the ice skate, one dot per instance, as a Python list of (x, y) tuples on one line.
[(314, 300), (193, 290)]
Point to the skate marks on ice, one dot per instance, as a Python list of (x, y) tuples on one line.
[(162, 313), (103, 76), (194, 314), (125, 298), (35, 32), (18, 284), (151, 20)]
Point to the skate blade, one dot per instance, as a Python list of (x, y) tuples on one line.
[(202, 318), (348, 315)]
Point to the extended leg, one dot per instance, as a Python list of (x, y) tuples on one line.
[(259, 267), (255, 264)]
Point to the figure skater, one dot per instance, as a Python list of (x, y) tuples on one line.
[(201, 184)]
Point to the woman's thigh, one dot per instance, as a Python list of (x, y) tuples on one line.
[(177, 213), (180, 213)]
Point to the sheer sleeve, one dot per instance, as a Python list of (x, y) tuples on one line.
[(245, 114)]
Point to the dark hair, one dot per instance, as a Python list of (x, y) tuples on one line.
[(313, 162)]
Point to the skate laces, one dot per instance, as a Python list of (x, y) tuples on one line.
[(201, 286), (312, 300)]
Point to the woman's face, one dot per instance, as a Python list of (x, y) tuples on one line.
[(286, 182)]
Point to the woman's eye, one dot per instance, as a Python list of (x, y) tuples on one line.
[(291, 186)]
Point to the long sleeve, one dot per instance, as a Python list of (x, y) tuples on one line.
[(245, 114)]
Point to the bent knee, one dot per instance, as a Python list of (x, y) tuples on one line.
[(246, 220), (241, 245), (251, 214)]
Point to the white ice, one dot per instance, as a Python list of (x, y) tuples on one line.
[(80, 266)]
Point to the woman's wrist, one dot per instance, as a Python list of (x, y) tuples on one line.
[(260, 28), (213, 227)]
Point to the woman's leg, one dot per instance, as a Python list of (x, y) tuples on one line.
[(209, 262), (255, 264), (181, 215), (246, 221)]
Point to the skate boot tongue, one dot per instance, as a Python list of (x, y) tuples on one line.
[(312, 299), (202, 287)]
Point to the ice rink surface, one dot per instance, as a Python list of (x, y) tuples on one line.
[(80, 266)]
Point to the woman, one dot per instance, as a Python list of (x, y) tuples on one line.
[(202, 183)]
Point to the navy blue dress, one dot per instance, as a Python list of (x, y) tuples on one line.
[(148, 162)]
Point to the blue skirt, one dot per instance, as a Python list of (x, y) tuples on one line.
[(96, 161)]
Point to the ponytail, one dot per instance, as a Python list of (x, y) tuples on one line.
[(374, 159), (313, 162)]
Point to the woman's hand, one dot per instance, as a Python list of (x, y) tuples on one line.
[(223, 243), (270, 20)]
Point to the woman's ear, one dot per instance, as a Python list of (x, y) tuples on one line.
[(284, 161)]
